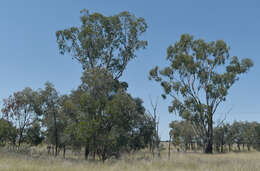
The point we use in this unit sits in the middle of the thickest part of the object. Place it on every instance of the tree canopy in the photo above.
(109, 42)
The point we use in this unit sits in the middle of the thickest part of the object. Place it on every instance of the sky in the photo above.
(29, 53)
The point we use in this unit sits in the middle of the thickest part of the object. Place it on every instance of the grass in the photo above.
(141, 161)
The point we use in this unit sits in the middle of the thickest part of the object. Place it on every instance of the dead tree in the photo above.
(155, 138)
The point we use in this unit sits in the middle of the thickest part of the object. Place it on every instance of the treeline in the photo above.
(103, 119)
(227, 137)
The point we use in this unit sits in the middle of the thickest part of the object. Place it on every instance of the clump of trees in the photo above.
(99, 115)
(227, 137)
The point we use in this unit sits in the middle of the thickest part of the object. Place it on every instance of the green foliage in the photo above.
(257, 138)
(221, 134)
(19, 109)
(53, 116)
(182, 134)
(198, 79)
(100, 115)
(101, 41)
(34, 134)
(8, 132)
(226, 136)
(105, 119)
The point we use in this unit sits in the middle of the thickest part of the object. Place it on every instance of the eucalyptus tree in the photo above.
(49, 111)
(104, 45)
(109, 42)
(198, 79)
(19, 109)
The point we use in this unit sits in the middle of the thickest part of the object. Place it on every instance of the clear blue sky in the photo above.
(29, 53)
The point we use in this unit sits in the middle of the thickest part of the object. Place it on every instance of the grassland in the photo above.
(142, 161)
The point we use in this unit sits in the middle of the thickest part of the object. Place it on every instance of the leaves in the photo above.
(109, 42)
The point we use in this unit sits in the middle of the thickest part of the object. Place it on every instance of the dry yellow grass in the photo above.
(142, 161)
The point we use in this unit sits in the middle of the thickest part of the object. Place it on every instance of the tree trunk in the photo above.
(186, 147)
(238, 146)
(86, 151)
(209, 138)
(153, 147)
(52, 149)
(19, 142)
(55, 133)
(222, 147)
(157, 135)
(169, 149)
(229, 147)
(248, 147)
(20, 137)
(217, 148)
(158, 148)
(64, 151)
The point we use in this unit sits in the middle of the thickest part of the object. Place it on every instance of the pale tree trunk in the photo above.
(153, 147)
(56, 133)
(169, 149)
(229, 147)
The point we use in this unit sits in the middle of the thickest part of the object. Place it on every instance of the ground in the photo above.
(141, 161)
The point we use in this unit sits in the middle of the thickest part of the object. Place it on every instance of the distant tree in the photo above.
(101, 41)
(182, 133)
(198, 79)
(4, 126)
(230, 136)
(19, 109)
(238, 130)
(8, 132)
(220, 137)
(249, 134)
(175, 133)
(257, 137)
(49, 110)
